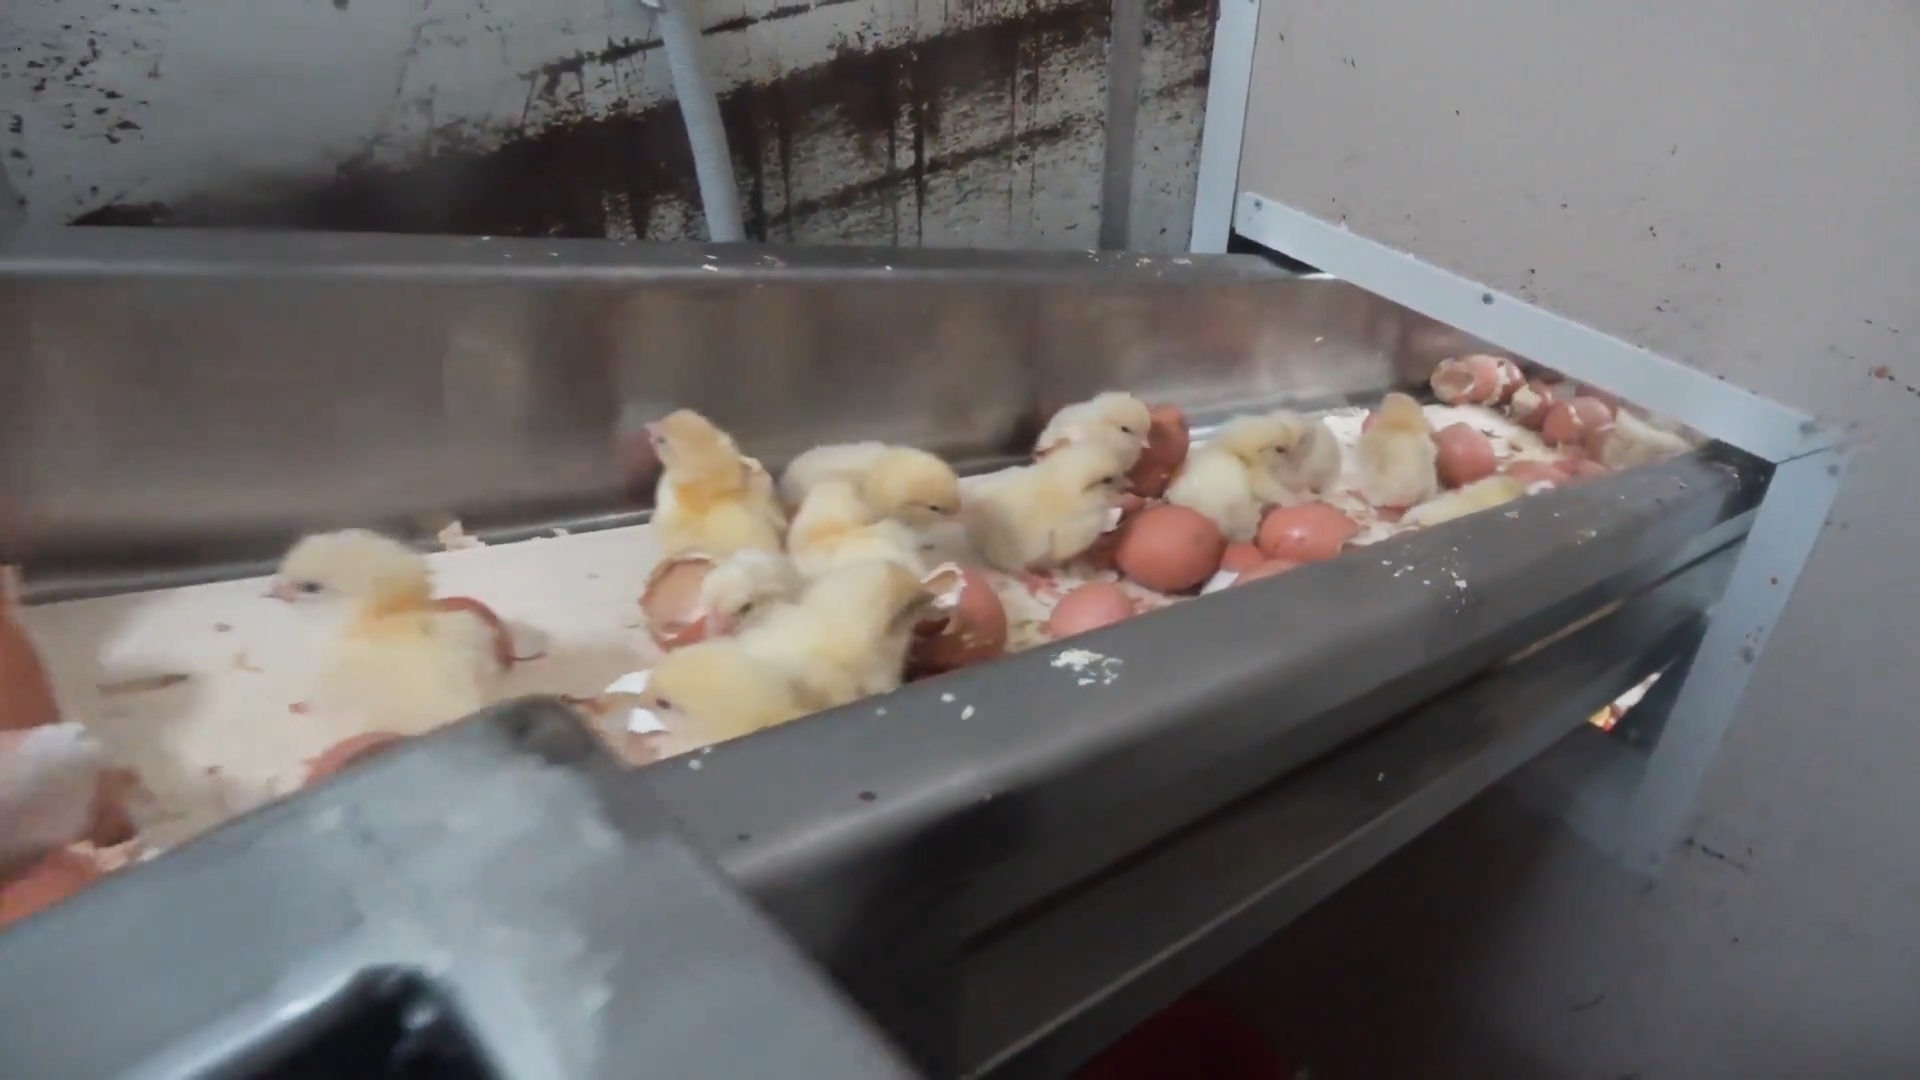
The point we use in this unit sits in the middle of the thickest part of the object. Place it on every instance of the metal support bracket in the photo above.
(1653, 798)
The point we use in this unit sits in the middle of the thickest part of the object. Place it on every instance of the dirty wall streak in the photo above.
(986, 135)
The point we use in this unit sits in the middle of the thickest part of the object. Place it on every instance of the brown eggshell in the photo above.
(1511, 380)
(1241, 557)
(1166, 451)
(974, 630)
(1266, 570)
(1529, 405)
(1594, 393)
(51, 880)
(1593, 412)
(111, 822)
(1535, 472)
(1465, 455)
(1563, 425)
(502, 638)
(1170, 549)
(1305, 533)
(670, 603)
(26, 694)
(1090, 607)
(347, 752)
(1466, 381)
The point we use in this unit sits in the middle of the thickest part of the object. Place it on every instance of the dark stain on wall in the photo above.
(592, 177)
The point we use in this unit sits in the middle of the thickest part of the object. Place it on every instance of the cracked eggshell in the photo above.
(1167, 443)
(973, 630)
(1308, 532)
(671, 603)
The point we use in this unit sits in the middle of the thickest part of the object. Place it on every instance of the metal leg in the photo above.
(1783, 536)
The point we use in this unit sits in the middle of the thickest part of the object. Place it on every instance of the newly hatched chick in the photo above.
(836, 527)
(1634, 442)
(904, 483)
(1041, 515)
(1309, 463)
(408, 664)
(1113, 417)
(710, 498)
(1397, 455)
(1475, 497)
(1237, 474)
(744, 586)
(715, 691)
(848, 634)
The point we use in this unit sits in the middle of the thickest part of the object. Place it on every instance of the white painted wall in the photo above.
(1734, 185)
(158, 101)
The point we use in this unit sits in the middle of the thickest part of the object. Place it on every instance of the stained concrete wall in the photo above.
(977, 123)
(1735, 185)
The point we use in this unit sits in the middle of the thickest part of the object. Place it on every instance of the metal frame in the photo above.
(1654, 799)
(1229, 77)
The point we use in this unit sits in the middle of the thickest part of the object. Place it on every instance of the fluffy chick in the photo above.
(836, 527)
(743, 587)
(847, 636)
(1397, 455)
(406, 662)
(716, 690)
(1475, 497)
(1114, 417)
(904, 483)
(1041, 515)
(710, 498)
(1237, 473)
(1634, 442)
(1309, 461)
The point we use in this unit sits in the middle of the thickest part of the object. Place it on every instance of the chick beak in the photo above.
(283, 590)
(1145, 441)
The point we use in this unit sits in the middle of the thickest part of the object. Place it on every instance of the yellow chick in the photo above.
(1113, 417)
(900, 482)
(1397, 455)
(1634, 442)
(1309, 462)
(744, 586)
(847, 636)
(1042, 515)
(710, 498)
(1234, 477)
(409, 662)
(1480, 495)
(715, 691)
(836, 527)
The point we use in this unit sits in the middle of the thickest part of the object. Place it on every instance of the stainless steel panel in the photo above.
(183, 398)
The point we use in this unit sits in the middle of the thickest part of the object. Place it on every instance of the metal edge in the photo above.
(1791, 517)
(124, 252)
(1307, 837)
(1718, 409)
(1235, 36)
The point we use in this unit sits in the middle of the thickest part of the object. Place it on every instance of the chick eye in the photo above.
(662, 703)
(307, 587)
(1126, 430)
